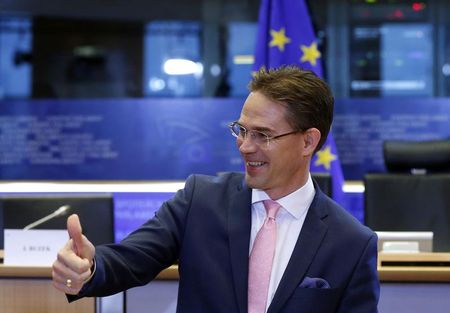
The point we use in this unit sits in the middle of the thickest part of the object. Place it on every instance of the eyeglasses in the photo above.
(258, 137)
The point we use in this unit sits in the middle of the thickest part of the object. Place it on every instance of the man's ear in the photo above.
(311, 138)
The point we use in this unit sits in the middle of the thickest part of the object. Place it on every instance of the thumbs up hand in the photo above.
(72, 268)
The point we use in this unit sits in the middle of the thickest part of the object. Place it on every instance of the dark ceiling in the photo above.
(144, 10)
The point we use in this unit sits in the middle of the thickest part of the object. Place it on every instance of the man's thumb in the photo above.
(75, 232)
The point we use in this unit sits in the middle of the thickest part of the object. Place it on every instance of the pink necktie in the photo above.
(261, 258)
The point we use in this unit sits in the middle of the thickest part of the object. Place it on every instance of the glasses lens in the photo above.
(236, 129)
(240, 131)
(260, 138)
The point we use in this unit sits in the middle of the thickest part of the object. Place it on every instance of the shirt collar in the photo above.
(295, 203)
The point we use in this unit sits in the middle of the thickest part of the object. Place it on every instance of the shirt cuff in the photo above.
(93, 268)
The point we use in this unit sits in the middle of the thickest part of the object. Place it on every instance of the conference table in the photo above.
(414, 282)
(410, 283)
(417, 282)
(29, 289)
(25, 289)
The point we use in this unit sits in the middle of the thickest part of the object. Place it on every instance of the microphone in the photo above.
(59, 212)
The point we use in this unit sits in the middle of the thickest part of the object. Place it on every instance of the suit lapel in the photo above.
(239, 225)
(310, 238)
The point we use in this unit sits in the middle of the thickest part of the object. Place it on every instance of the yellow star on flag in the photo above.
(310, 54)
(279, 39)
(325, 157)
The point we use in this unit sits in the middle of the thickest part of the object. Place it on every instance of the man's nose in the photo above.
(247, 144)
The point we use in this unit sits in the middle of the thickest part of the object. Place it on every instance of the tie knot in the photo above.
(272, 208)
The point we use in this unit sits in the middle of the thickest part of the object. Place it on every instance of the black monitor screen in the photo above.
(95, 212)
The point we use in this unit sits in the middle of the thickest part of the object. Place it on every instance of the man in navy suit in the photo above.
(324, 259)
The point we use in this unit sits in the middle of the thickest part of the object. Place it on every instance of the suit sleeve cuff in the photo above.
(81, 293)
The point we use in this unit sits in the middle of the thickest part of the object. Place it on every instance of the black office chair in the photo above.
(415, 194)
(417, 156)
(324, 180)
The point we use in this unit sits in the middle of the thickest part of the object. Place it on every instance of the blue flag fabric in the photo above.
(286, 36)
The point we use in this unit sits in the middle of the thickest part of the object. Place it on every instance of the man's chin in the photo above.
(252, 181)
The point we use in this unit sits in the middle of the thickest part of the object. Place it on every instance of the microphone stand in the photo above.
(60, 211)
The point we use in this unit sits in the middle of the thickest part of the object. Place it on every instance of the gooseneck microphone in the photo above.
(59, 212)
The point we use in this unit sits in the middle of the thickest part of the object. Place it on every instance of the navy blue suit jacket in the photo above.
(206, 226)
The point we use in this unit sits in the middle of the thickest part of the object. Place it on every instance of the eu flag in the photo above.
(286, 36)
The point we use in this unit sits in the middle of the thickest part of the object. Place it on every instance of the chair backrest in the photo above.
(405, 202)
(431, 156)
(324, 181)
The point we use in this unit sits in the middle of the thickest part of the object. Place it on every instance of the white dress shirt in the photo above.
(289, 219)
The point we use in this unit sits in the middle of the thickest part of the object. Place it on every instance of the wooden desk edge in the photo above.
(170, 273)
(414, 274)
(386, 273)
(422, 256)
(25, 271)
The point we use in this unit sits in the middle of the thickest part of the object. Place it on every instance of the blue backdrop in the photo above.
(126, 139)
(172, 138)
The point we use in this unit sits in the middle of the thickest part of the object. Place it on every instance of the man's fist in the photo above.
(72, 268)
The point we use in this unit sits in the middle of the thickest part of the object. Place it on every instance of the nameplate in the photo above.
(37, 247)
(400, 247)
